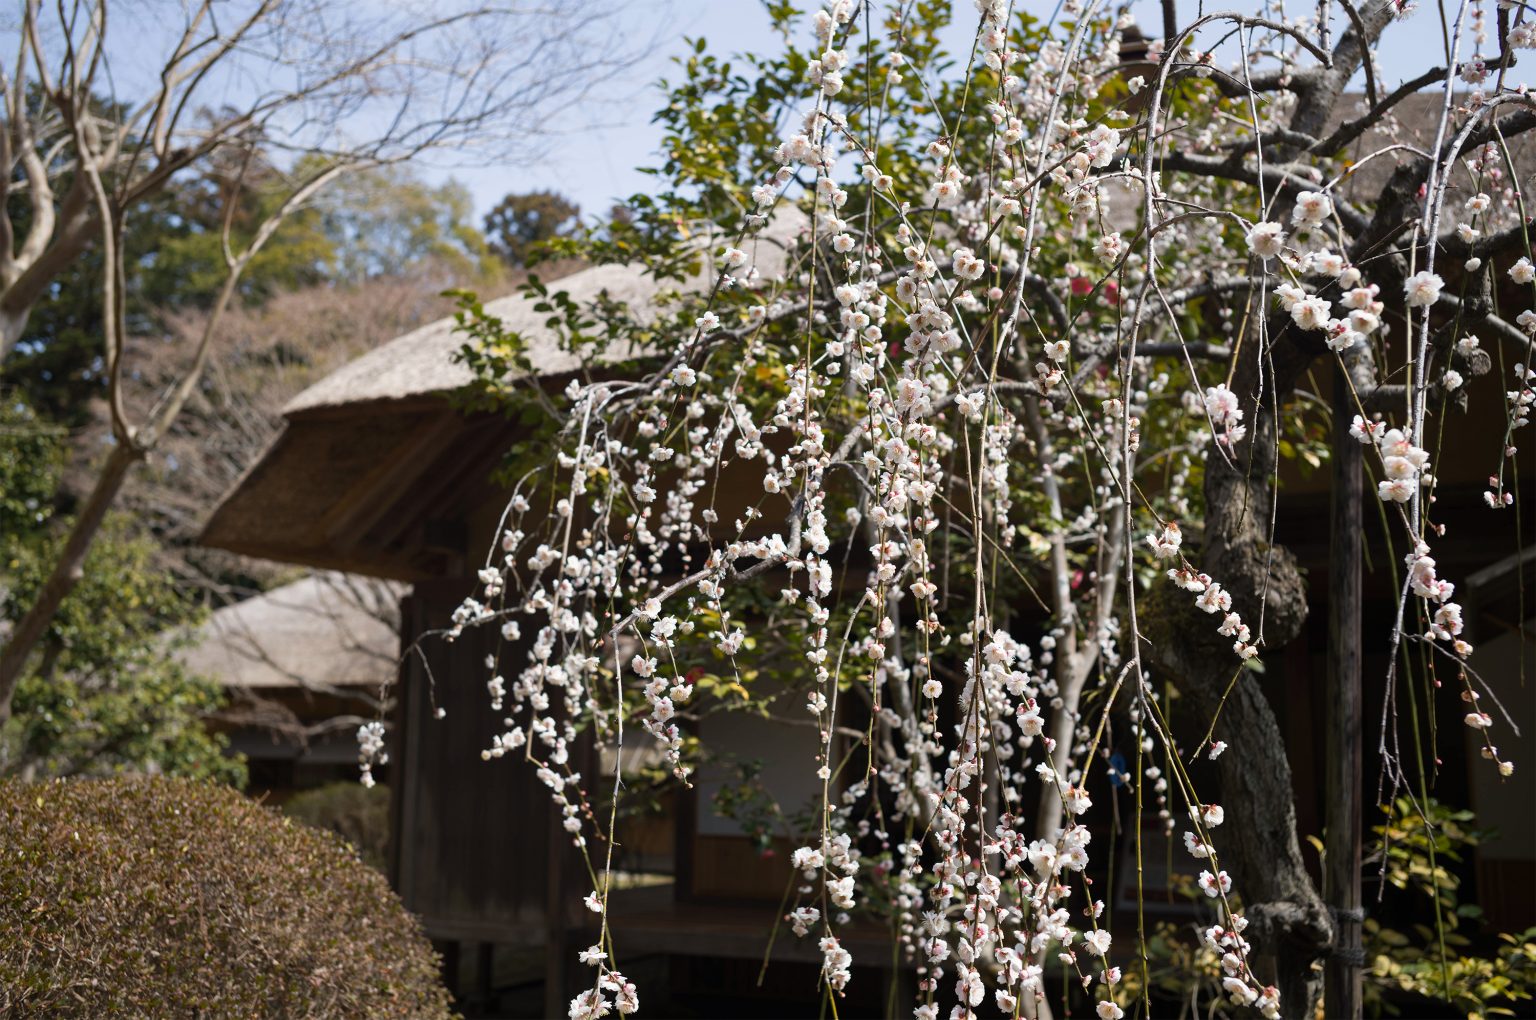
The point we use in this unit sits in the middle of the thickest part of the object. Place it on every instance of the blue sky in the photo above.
(592, 152)
(593, 159)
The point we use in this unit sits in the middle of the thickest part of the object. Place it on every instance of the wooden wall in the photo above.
(476, 849)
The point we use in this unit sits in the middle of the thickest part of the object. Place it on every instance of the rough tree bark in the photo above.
(1289, 924)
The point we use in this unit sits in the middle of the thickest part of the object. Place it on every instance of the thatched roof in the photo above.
(374, 465)
(325, 632)
(1409, 129)
(422, 362)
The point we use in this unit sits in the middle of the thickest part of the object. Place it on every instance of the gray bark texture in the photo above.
(1289, 924)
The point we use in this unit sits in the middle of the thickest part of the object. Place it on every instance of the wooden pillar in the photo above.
(555, 925)
(485, 963)
(1342, 767)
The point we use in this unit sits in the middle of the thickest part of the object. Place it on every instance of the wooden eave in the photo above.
(356, 488)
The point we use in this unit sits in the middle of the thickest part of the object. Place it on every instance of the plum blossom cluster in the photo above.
(370, 743)
(613, 992)
(1404, 465)
(1226, 414)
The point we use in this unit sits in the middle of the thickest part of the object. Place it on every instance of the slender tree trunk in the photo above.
(12, 325)
(132, 443)
(66, 573)
(77, 225)
(1341, 872)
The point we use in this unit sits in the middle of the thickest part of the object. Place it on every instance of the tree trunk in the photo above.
(12, 325)
(1289, 925)
(73, 233)
(66, 573)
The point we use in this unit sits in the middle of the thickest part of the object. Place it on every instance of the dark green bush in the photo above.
(358, 814)
(134, 897)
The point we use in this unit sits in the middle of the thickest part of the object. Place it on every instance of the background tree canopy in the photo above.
(520, 223)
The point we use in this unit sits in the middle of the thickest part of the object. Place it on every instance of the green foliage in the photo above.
(497, 355)
(519, 225)
(103, 694)
(1438, 959)
(31, 455)
(358, 814)
(389, 222)
(162, 897)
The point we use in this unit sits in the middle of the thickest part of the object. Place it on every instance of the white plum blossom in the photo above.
(1165, 544)
(1312, 207)
(1310, 313)
(1215, 885)
(1422, 289)
(1266, 239)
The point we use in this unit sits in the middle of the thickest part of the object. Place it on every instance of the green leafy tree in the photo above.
(104, 695)
(389, 222)
(522, 222)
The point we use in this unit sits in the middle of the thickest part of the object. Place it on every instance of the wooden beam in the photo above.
(368, 562)
(449, 487)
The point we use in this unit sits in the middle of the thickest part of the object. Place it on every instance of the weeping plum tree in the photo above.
(967, 427)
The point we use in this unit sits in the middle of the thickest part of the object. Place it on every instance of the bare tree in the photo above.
(264, 355)
(334, 86)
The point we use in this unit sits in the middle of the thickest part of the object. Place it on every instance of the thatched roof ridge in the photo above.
(422, 362)
(1408, 131)
(372, 454)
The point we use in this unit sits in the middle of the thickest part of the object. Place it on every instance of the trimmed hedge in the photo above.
(171, 898)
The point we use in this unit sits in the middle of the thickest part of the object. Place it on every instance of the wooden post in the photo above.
(1342, 767)
(555, 923)
(485, 965)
